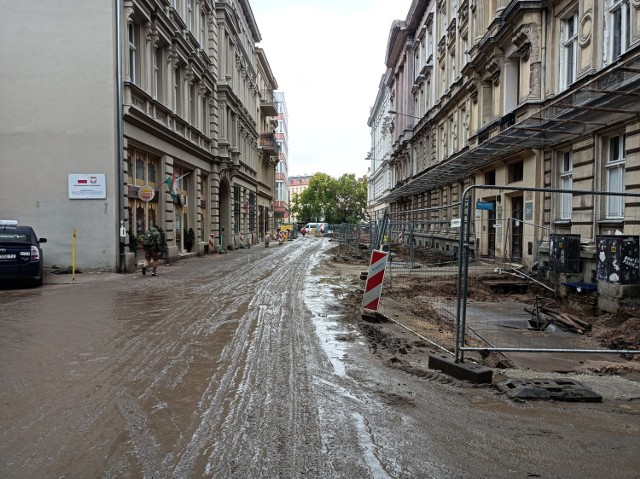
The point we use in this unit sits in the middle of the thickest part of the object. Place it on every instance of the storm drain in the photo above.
(549, 389)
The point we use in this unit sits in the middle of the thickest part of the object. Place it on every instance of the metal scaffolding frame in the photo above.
(602, 101)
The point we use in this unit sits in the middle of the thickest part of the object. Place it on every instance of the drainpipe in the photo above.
(120, 131)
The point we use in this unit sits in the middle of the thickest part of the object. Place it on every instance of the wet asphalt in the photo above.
(245, 365)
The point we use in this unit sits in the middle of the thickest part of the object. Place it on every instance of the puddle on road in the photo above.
(369, 447)
(318, 297)
(334, 349)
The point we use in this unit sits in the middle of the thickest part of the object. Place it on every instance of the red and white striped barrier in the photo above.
(400, 237)
(373, 287)
(211, 238)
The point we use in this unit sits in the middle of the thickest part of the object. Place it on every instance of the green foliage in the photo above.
(334, 201)
(163, 239)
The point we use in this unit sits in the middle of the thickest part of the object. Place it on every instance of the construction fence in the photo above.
(509, 277)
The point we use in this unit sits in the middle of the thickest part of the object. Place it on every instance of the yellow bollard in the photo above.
(73, 256)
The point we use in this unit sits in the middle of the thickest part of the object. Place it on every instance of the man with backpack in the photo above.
(151, 245)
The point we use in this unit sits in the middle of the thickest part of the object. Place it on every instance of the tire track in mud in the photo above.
(273, 409)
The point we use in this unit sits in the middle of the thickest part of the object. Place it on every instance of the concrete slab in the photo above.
(466, 371)
(506, 324)
(548, 389)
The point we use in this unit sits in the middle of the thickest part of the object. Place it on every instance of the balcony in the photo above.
(267, 103)
(268, 144)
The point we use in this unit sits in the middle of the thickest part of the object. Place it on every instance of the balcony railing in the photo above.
(268, 143)
(267, 103)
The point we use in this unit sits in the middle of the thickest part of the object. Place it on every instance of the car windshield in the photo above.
(13, 238)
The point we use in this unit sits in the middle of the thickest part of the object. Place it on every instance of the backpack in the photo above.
(151, 240)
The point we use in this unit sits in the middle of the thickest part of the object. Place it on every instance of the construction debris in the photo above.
(542, 316)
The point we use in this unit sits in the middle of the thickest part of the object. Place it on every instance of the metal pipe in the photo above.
(545, 350)
(120, 127)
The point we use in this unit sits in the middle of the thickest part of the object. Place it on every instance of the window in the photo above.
(490, 178)
(452, 136)
(453, 66)
(464, 125)
(569, 50)
(516, 172)
(139, 171)
(151, 172)
(133, 32)
(615, 176)
(465, 48)
(193, 96)
(177, 91)
(190, 15)
(205, 126)
(252, 211)
(236, 209)
(158, 74)
(203, 25)
(487, 102)
(620, 35)
(566, 171)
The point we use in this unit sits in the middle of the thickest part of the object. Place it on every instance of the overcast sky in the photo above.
(328, 59)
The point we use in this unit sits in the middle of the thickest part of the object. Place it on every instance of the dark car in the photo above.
(20, 253)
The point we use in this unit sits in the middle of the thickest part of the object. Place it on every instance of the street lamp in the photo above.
(393, 112)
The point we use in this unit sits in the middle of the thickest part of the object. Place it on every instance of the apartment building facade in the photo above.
(379, 156)
(518, 99)
(169, 112)
(297, 184)
(281, 204)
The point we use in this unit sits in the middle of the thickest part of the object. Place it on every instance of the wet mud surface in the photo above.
(256, 364)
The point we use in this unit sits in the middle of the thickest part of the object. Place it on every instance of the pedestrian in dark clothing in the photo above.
(151, 244)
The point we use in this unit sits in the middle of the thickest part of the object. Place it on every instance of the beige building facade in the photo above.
(518, 100)
(171, 103)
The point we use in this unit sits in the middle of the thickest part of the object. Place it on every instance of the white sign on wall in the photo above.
(90, 186)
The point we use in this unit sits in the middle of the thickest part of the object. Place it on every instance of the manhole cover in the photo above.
(550, 389)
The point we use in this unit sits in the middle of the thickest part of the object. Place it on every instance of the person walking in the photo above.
(152, 248)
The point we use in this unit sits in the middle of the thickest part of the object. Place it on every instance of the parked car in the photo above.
(312, 228)
(21, 257)
(309, 228)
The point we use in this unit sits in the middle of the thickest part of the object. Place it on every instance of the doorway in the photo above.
(224, 231)
(517, 212)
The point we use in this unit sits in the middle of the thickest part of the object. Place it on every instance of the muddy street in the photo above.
(250, 365)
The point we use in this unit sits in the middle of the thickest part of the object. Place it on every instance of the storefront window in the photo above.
(151, 172)
(139, 171)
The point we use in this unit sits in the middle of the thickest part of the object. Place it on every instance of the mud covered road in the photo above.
(247, 365)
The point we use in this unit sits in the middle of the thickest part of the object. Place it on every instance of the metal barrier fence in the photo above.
(353, 239)
(564, 267)
(512, 278)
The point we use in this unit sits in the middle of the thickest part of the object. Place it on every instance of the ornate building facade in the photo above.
(185, 138)
(517, 99)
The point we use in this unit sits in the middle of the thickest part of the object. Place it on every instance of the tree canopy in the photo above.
(331, 200)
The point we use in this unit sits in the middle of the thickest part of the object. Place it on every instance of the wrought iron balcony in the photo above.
(267, 143)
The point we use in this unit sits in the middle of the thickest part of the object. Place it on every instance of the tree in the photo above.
(350, 200)
(331, 200)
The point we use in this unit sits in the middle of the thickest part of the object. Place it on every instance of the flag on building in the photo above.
(172, 185)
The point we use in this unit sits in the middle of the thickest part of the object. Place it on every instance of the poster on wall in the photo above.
(87, 186)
